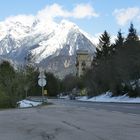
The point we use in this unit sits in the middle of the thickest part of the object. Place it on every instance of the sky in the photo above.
(93, 16)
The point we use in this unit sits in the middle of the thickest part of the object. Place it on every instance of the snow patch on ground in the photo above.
(27, 103)
(64, 97)
(107, 98)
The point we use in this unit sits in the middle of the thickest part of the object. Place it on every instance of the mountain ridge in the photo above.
(42, 41)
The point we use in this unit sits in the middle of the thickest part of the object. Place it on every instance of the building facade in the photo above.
(83, 61)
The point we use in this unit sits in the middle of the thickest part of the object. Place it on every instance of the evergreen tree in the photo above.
(53, 84)
(104, 44)
(7, 82)
(132, 35)
(98, 53)
(31, 79)
(119, 42)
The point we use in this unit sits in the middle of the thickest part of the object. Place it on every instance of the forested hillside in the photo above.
(116, 67)
(17, 84)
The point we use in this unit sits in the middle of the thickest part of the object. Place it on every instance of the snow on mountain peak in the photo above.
(17, 26)
(56, 42)
(41, 39)
(61, 36)
(20, 19)
(67, 24)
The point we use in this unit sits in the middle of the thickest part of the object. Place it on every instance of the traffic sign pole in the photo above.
(42, 94)
(42, 82)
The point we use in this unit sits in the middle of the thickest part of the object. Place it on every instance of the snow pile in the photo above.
(108, 98)
(64, 97)
(27, 103)
(83, 98)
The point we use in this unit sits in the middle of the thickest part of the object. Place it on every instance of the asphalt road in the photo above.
(70, 120)
(120, 107)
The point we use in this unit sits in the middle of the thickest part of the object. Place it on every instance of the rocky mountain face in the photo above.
(45, 43)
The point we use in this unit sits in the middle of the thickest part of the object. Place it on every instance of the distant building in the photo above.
(83, 61)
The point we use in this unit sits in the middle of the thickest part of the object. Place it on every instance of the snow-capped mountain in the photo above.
(43, 42)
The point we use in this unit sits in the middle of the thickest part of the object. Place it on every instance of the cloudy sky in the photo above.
(93, 16)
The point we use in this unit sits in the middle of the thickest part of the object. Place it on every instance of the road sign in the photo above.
(42, 82)
(45, 92)
(42, 75)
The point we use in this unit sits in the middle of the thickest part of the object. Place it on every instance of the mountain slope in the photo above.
(45, 43)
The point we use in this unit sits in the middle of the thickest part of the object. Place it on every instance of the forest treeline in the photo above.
(17, 84)
(116, 67)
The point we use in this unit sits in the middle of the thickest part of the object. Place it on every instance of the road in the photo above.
(71, 120)
(120, 107)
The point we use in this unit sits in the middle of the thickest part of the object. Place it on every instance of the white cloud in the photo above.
(83, 11)
(52, 11)
(79, 11)
(125, 15)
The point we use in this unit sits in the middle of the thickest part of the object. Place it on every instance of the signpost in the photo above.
(42, 81)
